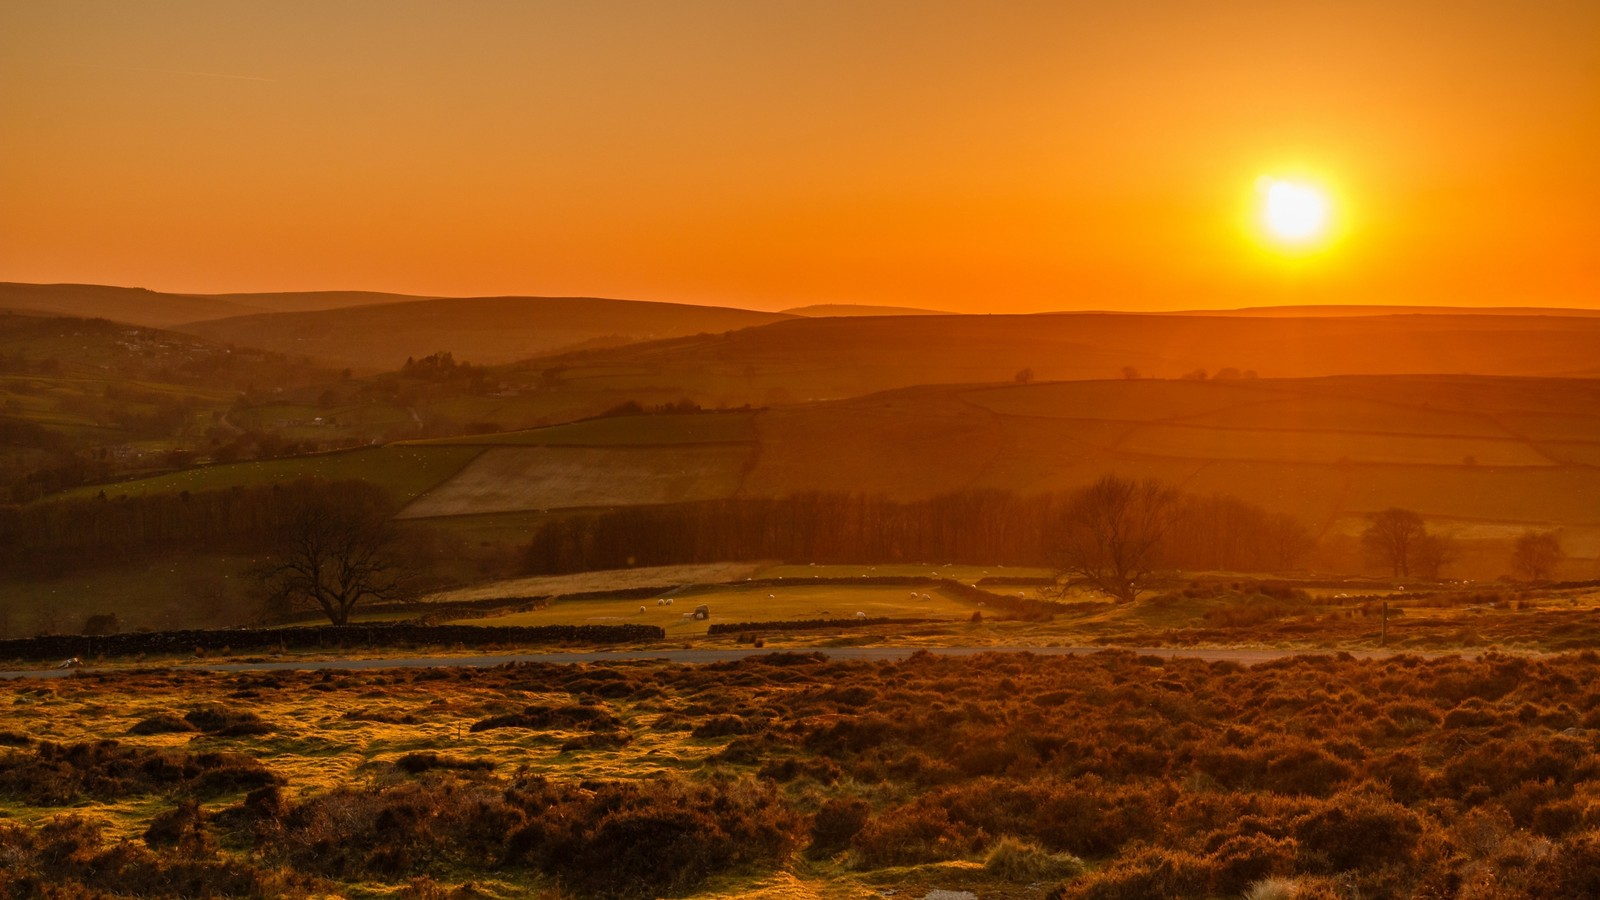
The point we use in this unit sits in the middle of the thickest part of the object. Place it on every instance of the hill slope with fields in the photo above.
(1490, 456)
(482, 330)
(834, 358)
(1485, 456)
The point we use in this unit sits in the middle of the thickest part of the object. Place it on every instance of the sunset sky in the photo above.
(966, 156)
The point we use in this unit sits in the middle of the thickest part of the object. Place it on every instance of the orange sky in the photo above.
(1051, 155)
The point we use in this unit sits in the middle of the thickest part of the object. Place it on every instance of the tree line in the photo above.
(44, 537)
(985, 527)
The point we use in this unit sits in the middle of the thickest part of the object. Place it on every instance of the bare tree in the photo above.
(1392, 539)
(1536, 555)
(1112, 534)
(1432, 553)
(336, 553)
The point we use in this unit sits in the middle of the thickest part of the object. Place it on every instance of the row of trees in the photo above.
(1399, 540)
(67, 534)
(985, 527)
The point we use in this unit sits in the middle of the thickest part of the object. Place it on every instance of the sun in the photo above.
(1294, 212)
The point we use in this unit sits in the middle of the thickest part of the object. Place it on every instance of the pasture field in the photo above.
(509, 478)
(733, 603)
(1327, 446)
(714, 428)
(791, 776)
(189, 591)
(1210, 609)
(404, 471)
(614, 580)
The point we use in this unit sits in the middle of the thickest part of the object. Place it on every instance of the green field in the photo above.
(510, 478)
(735, 603)
(404, 471)
(623, 430)
(188, 591)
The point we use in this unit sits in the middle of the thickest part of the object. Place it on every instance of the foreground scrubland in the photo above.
(792, 776)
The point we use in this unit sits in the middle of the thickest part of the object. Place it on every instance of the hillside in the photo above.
(1491, 455)
(483, 330)
(1485, 457)
(851, 309)
(1351, 310)
(134, 306)
(138, 306)
(86, 399)
(833, 358)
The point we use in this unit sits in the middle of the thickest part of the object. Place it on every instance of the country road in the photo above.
(1245, 657)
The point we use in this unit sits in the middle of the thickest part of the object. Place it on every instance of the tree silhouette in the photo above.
(336, 553)
(1432, 553)
(1393, 538)
(1536, 555)
(1112, 534)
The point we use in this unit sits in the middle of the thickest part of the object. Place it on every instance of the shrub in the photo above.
(57, 775)
(1357, 831)
(224, 722)
(592, 718)
(836, 823)
(162, 723)
(1146, 874)
(637, 841)
(426, 760)
(184, 824)
(911, 835)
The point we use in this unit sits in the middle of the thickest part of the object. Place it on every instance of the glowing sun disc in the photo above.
(1294, 212)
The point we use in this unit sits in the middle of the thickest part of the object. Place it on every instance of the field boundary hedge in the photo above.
(809, 624)
(64, 646)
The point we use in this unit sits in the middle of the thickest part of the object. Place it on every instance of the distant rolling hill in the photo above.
(1355, 309)
(482, 330)
(134, 306)
(850, 309)
(155, 309)
(831, 358)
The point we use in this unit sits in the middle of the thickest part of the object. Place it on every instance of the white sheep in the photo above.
(924, 597)
(641, 609)
(772, 596)
(861, 615)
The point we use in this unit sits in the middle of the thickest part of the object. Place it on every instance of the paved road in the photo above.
(1246, 657)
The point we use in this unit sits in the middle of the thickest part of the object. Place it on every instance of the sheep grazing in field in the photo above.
(861, 615)
(913, 595)
(924, 597)
(669, 601)
(641, 609)
(772, 596)
(70, 663)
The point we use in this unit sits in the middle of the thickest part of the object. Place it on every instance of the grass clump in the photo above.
(163, 723)
(427, 760)
(1023, 861)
